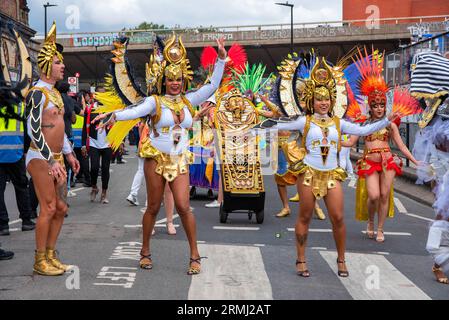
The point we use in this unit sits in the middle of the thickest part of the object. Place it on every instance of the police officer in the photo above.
(12, 165)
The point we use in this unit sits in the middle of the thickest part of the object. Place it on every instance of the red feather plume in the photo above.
(404, 103)
(354, 112)
(238, 57)
(370, 68)
(208, 57)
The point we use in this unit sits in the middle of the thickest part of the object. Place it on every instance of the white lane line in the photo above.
(382, 253)
(237, 228)
(373, 277)
(223, 276)
(259, 245)
(419, 217)
(312, 230)
(201, 242)
(399, 205)
(132, 226)
(15, 221)
(76, 190)
(393, 233)
(165, 219)
(14, 230)
(319, 248)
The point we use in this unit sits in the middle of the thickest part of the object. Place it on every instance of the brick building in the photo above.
(15, 12)
(360, 9)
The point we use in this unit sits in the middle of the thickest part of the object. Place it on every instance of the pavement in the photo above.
(246, 260)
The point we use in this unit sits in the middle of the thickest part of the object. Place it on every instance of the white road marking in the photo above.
(418, 217)
(132, 226)
(14, 230)
(231, 273)
(237, 228)
(165, 219)
(399, 205)
(373, 277)
(383, 253)
(201, 242)
(319, 248)
(15, 221)
(313, 230)
(259, 245)
(78, 189)
(393, 233)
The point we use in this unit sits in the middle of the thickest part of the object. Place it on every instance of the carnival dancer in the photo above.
(378, 166)
(288, 154)
(319, 174)
(430, 83)
(45, 158)
(171, 115)
(169, 204)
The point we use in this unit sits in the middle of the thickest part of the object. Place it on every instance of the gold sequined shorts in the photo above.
(320, 181)
(34, 153)
(168, 166)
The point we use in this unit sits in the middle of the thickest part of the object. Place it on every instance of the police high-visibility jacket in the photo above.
(11, 139)
(77, 130)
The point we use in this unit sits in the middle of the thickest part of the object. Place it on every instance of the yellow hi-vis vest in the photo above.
(11, 139)
(77, 130)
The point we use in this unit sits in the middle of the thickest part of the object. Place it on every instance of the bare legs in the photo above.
(334, 204)
(379, 187)
(52, 209)
(155, 190)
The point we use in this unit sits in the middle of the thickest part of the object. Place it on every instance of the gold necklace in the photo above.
(55, 97)
(323, 122)
(174, 103)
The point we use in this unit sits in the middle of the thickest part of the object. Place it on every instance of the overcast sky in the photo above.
(113, 15)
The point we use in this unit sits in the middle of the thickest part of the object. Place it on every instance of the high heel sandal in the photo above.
(193, 270)
(342, 274)
(370, 231)
(443, 279)
(146, 265)
(380, 236)
(304, 273)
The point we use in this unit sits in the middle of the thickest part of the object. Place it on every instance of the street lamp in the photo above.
(286, 4)
(45, 7)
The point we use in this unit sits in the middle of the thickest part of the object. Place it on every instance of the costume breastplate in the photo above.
(381, 135)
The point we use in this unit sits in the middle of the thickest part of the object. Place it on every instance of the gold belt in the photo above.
(320, 181)
(378, 150)
(57, 156)
(168, 166)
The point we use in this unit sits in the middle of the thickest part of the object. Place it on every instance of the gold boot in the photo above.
(53, 259)
(43, 267)
(283, 213)
(295, 198)
(319, 213)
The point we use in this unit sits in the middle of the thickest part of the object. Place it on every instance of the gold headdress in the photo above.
(173, 64)
(48, 51)
(321, 85)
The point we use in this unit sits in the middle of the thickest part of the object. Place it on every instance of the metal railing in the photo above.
(277, 26)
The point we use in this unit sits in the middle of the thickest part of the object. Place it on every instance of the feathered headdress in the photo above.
(251, 79)
(235, 62)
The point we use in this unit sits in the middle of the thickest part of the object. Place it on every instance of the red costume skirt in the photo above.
(366, 167)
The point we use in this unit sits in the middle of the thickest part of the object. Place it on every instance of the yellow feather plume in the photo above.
(119, 131)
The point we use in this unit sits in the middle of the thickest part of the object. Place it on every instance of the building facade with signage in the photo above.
(15, 12)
